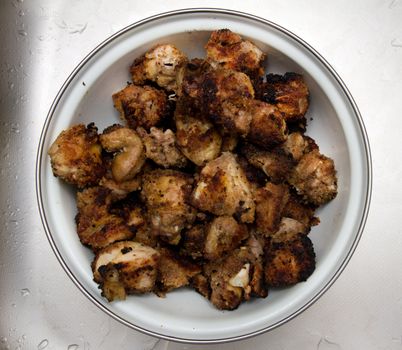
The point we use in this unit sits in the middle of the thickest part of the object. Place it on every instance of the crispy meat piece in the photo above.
(223, 189)
(96, 226)
(297, 209)
(255, 176)
(290, 261)
(223, 235)
(193, 242)
(297, 144)
(197, 138)
(314, 178)
(269, 203)
(160, 146)
(228, 50)
(129, 151)
(255, 246)
(125, 268)
(76, 156)
(275, 163)
(289, 93)
(141, 105)
(165, 193)
(229, 142)
(201, 284)
(161, 65)
(174, 271)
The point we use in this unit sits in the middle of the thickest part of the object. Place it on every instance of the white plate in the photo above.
(336, 125)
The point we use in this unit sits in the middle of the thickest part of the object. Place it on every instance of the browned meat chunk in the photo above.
(289, 93)
(76, 156)
(96, 226)
(125, 268)
(314, 178)
(295, 208)
(289, 262)
(161, 65)
(201, 284)
(160, 146)
(141, 105)
(297, 144)
(269, 203)
(223, 189)
(228, 50)
(194, 242)
(165, 193)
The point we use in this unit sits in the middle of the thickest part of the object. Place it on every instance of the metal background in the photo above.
(41, 43)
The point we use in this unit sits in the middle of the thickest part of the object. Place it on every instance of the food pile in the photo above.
(209, 182)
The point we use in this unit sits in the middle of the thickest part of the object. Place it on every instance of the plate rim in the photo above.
(219, 11)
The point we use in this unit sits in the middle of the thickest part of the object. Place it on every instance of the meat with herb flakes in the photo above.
(76, 156)
(234, 221)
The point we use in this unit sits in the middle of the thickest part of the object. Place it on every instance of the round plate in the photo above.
(333, 121)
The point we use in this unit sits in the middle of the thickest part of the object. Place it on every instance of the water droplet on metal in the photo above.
(73, 347)
(43, 344)
(22, 32)
(25, 292)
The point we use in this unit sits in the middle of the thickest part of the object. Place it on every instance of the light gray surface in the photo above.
(42, 41)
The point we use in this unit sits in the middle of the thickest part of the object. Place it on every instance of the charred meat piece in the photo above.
(76, 156)
(297, 209)
(161, 65)
(297, 144)
(174, 271)
(314, 178)
(223, 189)
(201, 284)
(197, 138)
(288, 262)
(269, 203)
(223, 235)
(275, 163)
(165, 193)
(96, 226)
(142, 106)
(129, 154)
(160, 146)
(125, 268)
(228, 50)
(289, 93)
(193, 241)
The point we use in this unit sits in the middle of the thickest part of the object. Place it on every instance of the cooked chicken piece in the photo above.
(125, 268)
(161, 65)
(289, 93)
(130, 209)
(160, 146)
(255, 246)
(297, 209)
(130, 155)
(255, 176)
(288, 229)
(223, 189)
(174, 271)
(289, 262)
(314, 178)
(121, 189)
(141, 105)
(201, 284)
(145, 235)
(209, 87)
(269, 203)
(96, 226)
(165, 193)
(228, 50)
(197, 138)
(298, 144)
(76, 156)
(194, 241)
(223, 235)
(229, 142)
(275, 163)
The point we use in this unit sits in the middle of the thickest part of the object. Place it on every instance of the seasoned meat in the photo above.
(255, 247)
(297, 209)
(229, 142)
(125, 268)
(297, 144)
(76, 156)
(96, 226)
(314, 178)
(160, 146)
(142, 106)
(129, 151)
(197, 138)
(174, 271)
(289, 262)
(165, 193)
(275, 163)
(201, 284)
(161, 65)
(193, 241)
(288, 229)
(269, 203)
(223, 189)
(146, 235)
(228, 50)
(289, 93)
(223, 235)
(255, 176)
